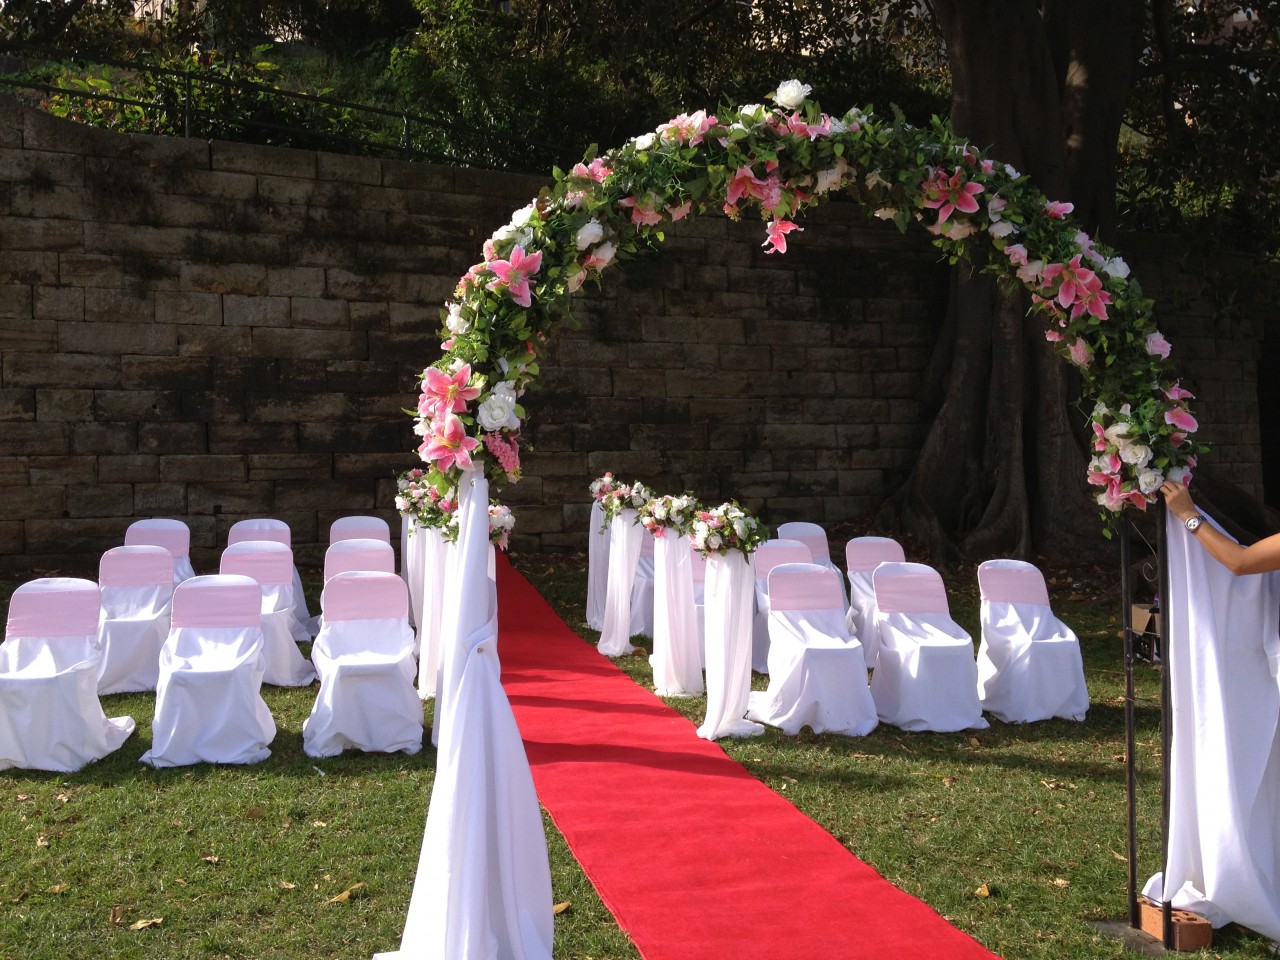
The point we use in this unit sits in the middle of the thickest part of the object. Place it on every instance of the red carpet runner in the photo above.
(696, 858)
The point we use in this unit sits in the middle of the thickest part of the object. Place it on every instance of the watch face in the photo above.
(1194, 522)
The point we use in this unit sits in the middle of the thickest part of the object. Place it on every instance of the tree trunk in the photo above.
(1001, 471)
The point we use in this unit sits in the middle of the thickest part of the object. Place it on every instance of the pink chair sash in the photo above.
(804, 586)
(173, 535)
(812, 535)
(773, 552)
(365, 595)
(909, 588)
(867, 553)
(55, 607)
(347, 555)
(137, 565)
(220, 600)
(259, 529)
(265, 561)
(1012, 581)
(359, 528)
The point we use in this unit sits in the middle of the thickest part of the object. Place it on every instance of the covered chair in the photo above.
(209, 706)
(173, 535)
(813, 536)
(347, 556)
(925, 677)
(817, 675)
(303, 626)
(137, 591)
(862, 555)
(1029, 665)
(50, 716)
(597, 566)
(271, 565)
(364, 655)
(767, 556)
(359, 528)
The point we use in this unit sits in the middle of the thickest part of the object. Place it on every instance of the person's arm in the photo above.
(1258, 558)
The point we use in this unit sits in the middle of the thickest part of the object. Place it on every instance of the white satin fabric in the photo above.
(643, 587)
(1029, 665)
(767, 556)
(597, 566)
(729, 589)
(625, 543)
(677, 656)
(302, 625)
(137, 592)
(364, 655)
(483, 886)
(817, 675)
(434, 562)
(925, 676)
(209, 706)
(1223, 657)
(862, 555)
(173, 535)
(411, 565)
(271, 565)
(50, 715)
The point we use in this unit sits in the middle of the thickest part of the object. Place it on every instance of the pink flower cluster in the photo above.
(506, 450)
(949, 193)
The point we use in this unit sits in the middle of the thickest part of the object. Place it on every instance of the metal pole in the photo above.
(1166, 723)
(1130, 723)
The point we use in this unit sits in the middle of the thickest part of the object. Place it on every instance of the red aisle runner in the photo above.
(696, 858)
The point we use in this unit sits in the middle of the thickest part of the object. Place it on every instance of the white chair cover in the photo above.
(304, 626)
(862, 555)
(677, 657)
(483, 885)
(137, 591)
(1029, 665)
(359, 528)
(767, 556)
(925, 677)
(411, 565)
(1223, 657)
(817, 676)
(173, 535)
(626, 539)
(271, 565)
(364, 655)
(50, 716)
(729, 589)
(642, 588)
(597, 566)
(435, 562)
(209, 706)
(348, 556)
(813, 536)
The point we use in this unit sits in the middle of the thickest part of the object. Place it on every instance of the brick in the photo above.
(136, 405)
(78, 369)
(102, 438)
(159, 499)
(59, 303)
(172, 438)
(17, 404)
(64, 405)
(107, 337)
(206, 468)
(319, 313)
(178, 307)
(246, 279)
(100, 500)
(254, 498)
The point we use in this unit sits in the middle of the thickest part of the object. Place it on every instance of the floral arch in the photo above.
(781, 160)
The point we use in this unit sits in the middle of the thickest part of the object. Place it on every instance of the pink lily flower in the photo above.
(743, 184)
(448, 445)
(1017, 254)
(642, 212)
(596, 170)
(1093, 301)
(1075, 280)
(1158, 346)
(679, 213)
(948, 194)
(514, 274)
(1100, 439)
(1053, 336)
(1181, 418)
(446, 393)
(1178, 392)
(1057, 209)
(776, 242)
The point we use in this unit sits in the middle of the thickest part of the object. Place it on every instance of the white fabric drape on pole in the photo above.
(625, 541)
(411, 547)
(597, 566)
(433, 563)
(483, 886)
(677, 659)
(1223, 657)
(729, 590)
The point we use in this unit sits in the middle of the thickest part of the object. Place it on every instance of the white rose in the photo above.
(790, 94)
(521, 216)
(1180, 474)
(644, 141)
(576, 280)
(740, 528)
(589, 233)
(714, 541)
(1149, 481)
(1001, 229)
(1116, 267)
(499, 409)
(456, 322)
(1137, 454)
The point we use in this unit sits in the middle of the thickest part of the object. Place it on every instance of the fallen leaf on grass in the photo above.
(561, 907)
(116, 917)
(209, 858)
(1060, 883)
(346, 894)
(255, 813)
(143, 924)
(58, 888)
(319, 823)
(983, 891)
(286, 885)
(42, 841)
(948, 781)
(1120, 856)
(975, 742)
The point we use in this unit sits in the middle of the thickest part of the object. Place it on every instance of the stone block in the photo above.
(348, 495)
(77, 369)
(355, 438)
(28, 267)
(56, 203)
(261, 161)
(214, 341)
(254, 498)
(115, 338)
(255, 311)
(11, 537)
(203, 468)
(78, 538)
(165, 373)
(159, 499)
(253, 438)
(37, 233)
(17, 404)
(28, 502)
(348, 169)
(181, 438)
(66, 405)
(58, 303)
(319, 313)
(310, 344)
(179, 307)
(305, 467)
(91, 270)
(314, 408)
(119, 306)
(100, 500)
(134, 468)
(15, 302)
(101, 438)
(139, 405)
(289, 281)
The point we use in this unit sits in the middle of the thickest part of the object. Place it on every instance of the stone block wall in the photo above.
(217, 331)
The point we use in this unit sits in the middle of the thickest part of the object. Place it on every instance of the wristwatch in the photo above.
(1193, 523)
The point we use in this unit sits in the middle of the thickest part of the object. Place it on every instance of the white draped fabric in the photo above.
(677, 657)
(1223, 657)
(209, 706)
(625, 542)
(271, 565)
(435, 562)
(642, 588)
(137, 591)
(767, 556)
(483, 886)
(411, 548)
(926, 677)
(364, 655)
(1029, 665)
(862, 555)
(302, 625)
(817, 676)
(597, 566)
(50, 716)
(729, 588)
(173, 535)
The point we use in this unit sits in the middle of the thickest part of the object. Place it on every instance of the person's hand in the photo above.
(1178, 497)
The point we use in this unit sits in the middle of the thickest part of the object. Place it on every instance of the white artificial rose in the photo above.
(740, 528)
(603, 255)
(499, 409)
(791, 94)
(456, 322)
(644, 141)
(1149, 481)
(521, 216)
(1180, 474)
(576, 280)
(714, 541)
(1002, 229)
(1136, 454)
(1116, 267)
(589, 233)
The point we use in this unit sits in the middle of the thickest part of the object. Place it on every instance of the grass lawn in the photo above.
(296, 857)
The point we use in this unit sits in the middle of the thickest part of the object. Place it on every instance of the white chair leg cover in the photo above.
(677, 657)
(433, 563)
(862, 615)
(624, 554)
(729, 588)
(302, 625)
(483, 886)
(284, 665)
(597, 566)
(131, 633)
(411, 547)
(760, 628)
(1029, 674)
(925, 676)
